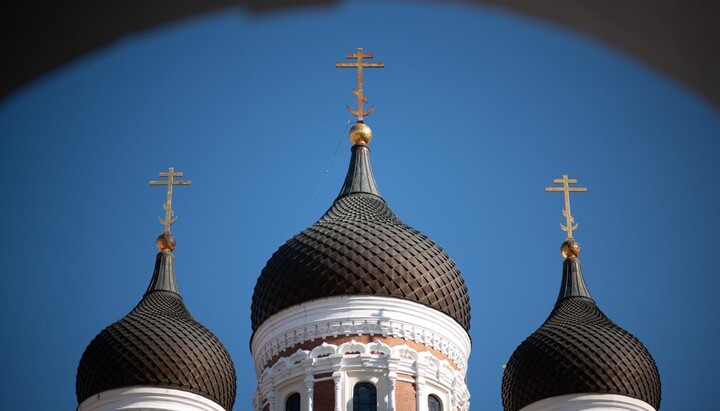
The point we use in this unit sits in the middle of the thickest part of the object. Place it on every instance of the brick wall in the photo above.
(404, 396)
(324, 396)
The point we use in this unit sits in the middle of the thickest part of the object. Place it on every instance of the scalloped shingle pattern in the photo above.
(360, 247)
(579, 350)
(158, 344)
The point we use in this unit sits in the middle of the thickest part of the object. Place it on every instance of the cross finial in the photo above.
(170, 182)
(359, 64)
(570, 225)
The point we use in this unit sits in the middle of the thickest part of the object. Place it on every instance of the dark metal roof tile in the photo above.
(579, 350)
(158, 343)
(403, 264)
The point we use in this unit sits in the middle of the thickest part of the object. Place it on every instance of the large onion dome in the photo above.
(579, 350)
(158, 344)
(360, 247)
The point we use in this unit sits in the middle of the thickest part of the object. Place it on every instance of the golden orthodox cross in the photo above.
(170, 182)
(566, 189)
(359, 56)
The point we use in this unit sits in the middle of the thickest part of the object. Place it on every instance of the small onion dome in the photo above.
(579, 350)
(158, 344)
(360, 247)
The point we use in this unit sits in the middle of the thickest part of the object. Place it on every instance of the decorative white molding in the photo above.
(148, 399)
(285, 389)
(376, 362)
(310, 387)
(337, 378)
(351, 315)
(589, 402)
(391, 380)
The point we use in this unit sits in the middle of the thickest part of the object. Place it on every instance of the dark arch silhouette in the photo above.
(292, 403)
(679, 38)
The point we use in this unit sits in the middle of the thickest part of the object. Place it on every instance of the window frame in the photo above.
(299, 401)
(437, 400)
(373, 407)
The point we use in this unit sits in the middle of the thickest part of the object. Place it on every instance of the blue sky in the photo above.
(476, 112)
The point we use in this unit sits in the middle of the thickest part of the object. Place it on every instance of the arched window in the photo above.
(364, 397)
(434, 403)
(293, 403)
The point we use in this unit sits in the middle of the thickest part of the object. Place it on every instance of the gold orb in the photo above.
(166, 242)
(570, 248)
(360, 133)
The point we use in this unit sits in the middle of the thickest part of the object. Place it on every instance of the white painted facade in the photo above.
(589, 402)
(360, 315)
(354, 362)
(148, 399)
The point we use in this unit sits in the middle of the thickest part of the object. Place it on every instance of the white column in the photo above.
(421, 395)
(420, 389)
(271, 399)
(310, 384)
(392, 378)
(337, 378)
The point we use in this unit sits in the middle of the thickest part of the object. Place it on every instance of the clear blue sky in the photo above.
(476, 112)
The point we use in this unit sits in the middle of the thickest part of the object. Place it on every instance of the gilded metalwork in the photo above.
(570, 225)
(359, 64)
(570, 248)
(166, 242)
(360, 133)
(170, 182)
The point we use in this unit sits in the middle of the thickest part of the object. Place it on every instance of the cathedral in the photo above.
(360, 312)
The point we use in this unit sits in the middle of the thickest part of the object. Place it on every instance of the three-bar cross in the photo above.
(170, 182)
(566, 189)
(359, 56)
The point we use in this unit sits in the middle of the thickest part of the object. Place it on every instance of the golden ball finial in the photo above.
(570, 248)
(360, 133)
(166, 242)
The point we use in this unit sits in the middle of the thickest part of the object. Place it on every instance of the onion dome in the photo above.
(360, 247)
(158, 344)
(579, 350)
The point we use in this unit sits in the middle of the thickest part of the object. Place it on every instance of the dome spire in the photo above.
(163, 278)
(359, 178)
(573, 283)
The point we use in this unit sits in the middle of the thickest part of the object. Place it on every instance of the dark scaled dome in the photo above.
(579, 350)
(158, 344)
(360, 247)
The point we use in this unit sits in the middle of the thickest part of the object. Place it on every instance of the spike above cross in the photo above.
(359, 64)
(569, 226)
(170, 182)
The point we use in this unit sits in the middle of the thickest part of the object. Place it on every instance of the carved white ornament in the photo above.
(354, 361)
(360, 315)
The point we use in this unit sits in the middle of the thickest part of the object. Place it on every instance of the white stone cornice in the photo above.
(351, 315)
(148, 398)
(352, 360)
(589, 402)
